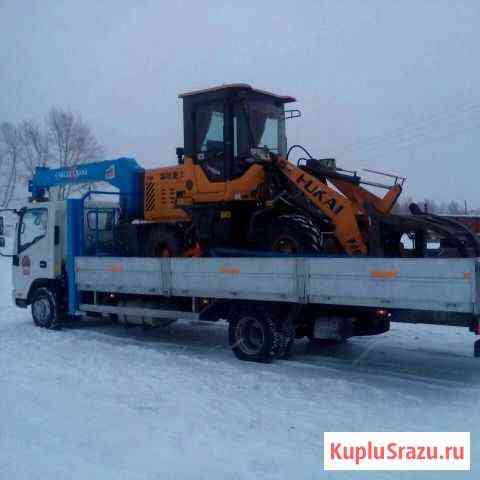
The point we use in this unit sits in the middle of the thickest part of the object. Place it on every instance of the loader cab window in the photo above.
(33, 227)
(268, 125)
(209, 140)
(256, 123)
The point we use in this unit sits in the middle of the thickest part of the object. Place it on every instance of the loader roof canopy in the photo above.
(238, 87)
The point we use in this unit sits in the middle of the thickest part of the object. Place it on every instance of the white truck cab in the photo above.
(37, 254)
(39, 243)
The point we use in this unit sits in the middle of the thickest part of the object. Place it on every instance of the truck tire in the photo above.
(44, 307)
(254, 335)
(164, 241)
(293, 234)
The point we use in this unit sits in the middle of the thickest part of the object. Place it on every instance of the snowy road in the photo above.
(102, 402)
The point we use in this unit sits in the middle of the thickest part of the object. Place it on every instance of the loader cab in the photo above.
(222, 124)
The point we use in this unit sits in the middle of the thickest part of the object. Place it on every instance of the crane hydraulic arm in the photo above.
(122, 173)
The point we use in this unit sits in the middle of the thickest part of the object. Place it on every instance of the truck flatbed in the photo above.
(436, 285)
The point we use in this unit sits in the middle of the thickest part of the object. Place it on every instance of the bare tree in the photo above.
(430, 206)
(10, 151)
(454, 208)
(72, 143)
(35, 145)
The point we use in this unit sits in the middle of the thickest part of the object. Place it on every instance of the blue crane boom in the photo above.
(122, 173)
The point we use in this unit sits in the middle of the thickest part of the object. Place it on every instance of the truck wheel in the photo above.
(293, 234)
(44, 308)
(164, 241)
(254, 335)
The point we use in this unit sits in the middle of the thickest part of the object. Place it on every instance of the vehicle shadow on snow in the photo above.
(388, 357)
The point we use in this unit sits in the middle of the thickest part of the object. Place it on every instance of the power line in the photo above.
(419, 127)
(425, 120)
(429, 135)
(430, 140)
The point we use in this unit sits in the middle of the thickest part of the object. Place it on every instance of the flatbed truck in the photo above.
(62, 270)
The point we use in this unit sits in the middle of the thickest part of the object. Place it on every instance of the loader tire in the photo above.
(164, 241)
(293, 234)
(254, 335)
(45, 308)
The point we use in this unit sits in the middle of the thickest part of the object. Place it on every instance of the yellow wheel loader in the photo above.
(234, 186)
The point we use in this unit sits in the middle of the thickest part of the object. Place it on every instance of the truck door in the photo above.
(8, 220)
(34, 249)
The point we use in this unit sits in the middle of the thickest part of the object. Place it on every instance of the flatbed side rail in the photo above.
(448, 285)
(444, 285)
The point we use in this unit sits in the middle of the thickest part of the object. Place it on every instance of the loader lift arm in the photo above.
(342, 205)
(338, 208)
(349, 202)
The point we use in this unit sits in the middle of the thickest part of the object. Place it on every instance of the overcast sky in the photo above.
(390, 85)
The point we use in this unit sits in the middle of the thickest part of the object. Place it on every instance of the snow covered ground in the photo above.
(103, 402)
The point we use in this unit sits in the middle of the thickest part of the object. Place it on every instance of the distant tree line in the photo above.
(62, 139)
(452, 207)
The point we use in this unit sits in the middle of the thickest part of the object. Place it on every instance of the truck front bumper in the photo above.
(19, 302)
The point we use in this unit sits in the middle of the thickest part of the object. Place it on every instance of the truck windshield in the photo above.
(33, 227)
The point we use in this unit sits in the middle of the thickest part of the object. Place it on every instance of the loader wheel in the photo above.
(44, 308)
(254, 335)
(293, 234)
(164, 241)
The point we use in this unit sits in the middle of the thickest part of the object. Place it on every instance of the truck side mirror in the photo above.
(3, 245)
(294, 113)
(7, 220)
